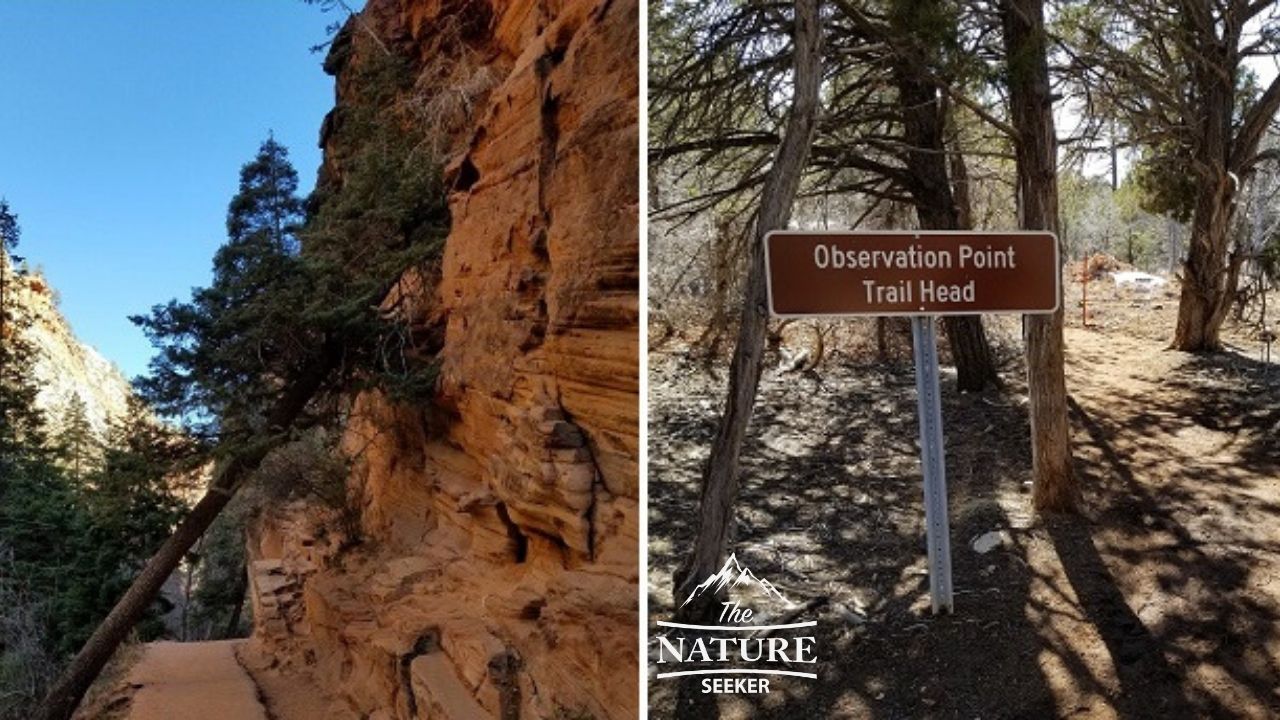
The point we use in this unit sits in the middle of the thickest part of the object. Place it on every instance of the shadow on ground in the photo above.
(1159, 601)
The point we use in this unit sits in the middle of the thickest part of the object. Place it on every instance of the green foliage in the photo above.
(293, 309)
(74, 544)
(78, 448)
(77, 544)
(26, 664)
(934, 26)
(134, 499)
(10, 231)
(78, 514)
(1096, 220)
(382, 213)
(285, 291)
(1159, 76)
(1269, 258)
(222, 355)
(41, 522)
(299, 287)
(308, 468)
(34, 505)
(1168, 186)
(22, 425)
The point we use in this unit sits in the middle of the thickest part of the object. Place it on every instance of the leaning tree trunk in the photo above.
(1054, 483)
(70, 687)
(66, 693)
(924, 117)
(720, 478)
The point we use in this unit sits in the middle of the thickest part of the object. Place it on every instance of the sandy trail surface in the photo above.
(196, 681)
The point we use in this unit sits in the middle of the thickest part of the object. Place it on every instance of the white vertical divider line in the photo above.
(642, 469)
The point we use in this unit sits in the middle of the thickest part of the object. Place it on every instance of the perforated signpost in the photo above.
(920, 275)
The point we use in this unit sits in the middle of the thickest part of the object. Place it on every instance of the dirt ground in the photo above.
(1162, 600)
(193, 680)
(221, 680)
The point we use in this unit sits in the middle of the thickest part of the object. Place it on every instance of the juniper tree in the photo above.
(1026, 44)
(893, 69)
(716, 522)
(1176, 77)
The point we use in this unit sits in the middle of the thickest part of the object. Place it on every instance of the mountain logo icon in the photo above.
(733, 574)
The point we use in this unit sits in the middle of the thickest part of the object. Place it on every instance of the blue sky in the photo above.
(123, 126)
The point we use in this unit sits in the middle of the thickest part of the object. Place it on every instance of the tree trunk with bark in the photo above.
(1224, 140)
(1209, 277)
(720, 477)
(1205, 292)
(722, 263)
(70, 687)
(924, 118)
(1031, 106)
(242, 587)
(960, 187)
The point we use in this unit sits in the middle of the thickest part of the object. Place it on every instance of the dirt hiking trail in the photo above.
(201, 681)
(220, 680)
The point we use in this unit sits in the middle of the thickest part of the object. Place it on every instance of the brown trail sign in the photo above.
(920, 274)
(911, 273)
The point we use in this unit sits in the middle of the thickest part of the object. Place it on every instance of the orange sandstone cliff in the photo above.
(496, 573)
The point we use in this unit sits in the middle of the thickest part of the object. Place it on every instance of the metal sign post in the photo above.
(924, 337)
(921, 275)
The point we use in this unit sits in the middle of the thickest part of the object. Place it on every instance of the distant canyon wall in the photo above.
(63, 366)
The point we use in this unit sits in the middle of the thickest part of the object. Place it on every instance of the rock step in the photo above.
(440, 692)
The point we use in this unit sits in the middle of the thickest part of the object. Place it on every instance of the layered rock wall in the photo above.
(497, 572)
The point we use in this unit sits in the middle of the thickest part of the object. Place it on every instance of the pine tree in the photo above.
(76, 519)
(1177, 79)
(78, 446)
(222, 575)
(10, 234)
(132, 502)
(36, 509)
(222, 354)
